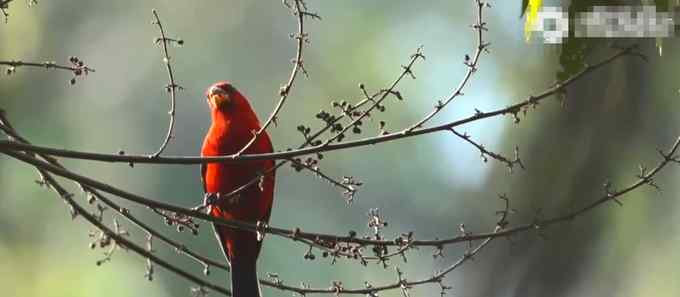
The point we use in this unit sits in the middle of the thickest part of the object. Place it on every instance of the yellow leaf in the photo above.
(532, 17)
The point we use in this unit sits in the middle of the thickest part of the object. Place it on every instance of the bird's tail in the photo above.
(244, 281)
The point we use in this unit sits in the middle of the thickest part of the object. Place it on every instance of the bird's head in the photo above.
(222, 96)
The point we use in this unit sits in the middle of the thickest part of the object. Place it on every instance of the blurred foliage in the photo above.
(610, 122)
(574, 51)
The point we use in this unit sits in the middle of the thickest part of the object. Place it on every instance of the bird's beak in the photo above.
(218, 97)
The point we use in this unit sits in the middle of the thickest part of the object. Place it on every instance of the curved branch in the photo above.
(401, 283)
(512, 109)
(76, 209)
(172, 87)
(79, 210)
(7, 128)
(300, 12)
(645, 178)
(480, 27)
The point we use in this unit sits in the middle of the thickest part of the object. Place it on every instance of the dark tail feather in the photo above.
(244, 281)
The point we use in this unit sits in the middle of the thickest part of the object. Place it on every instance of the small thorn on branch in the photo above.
(611, 194)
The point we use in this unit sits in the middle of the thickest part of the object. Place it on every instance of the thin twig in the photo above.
(407, 71)
(4, 4)
(485, 152)
(46, 65)
(480, 27)
(77, 67)
(301, 38)
(172, 87)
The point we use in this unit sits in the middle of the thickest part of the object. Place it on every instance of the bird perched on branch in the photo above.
(233, 125)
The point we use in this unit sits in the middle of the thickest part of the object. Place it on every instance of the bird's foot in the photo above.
(209, 199)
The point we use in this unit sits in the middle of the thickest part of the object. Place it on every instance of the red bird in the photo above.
(233, 124)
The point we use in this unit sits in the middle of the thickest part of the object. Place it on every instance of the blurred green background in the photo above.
(613, 120)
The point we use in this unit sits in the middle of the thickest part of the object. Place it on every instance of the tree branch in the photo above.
(300, 11)
(77, 67)
(172, 87)
(512, 109)
(480, 27)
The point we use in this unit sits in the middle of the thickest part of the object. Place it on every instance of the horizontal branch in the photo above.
(279, 285)
(77, 67)
(512, 109)
(45, 167)
(400, 284)
(299, 235)
(645, 178)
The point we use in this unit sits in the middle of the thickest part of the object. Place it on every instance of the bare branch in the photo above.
(115, 235)
(471, 64)
(77, 67)
(93, 194)
(121, 240)
(300, 12)
(297, 234)
(4, 5)
(512, 110)
(484, 152)
(172, 87)
(344, 118)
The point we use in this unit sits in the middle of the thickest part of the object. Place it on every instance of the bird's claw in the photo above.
(199, 208)
(209, 199)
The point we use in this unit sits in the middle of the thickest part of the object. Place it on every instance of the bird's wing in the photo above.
(204, 167)
(216, 228)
